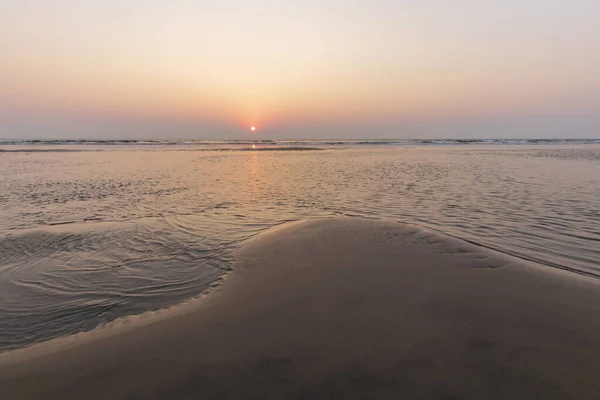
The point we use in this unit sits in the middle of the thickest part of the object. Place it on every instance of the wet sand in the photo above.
(348, 309)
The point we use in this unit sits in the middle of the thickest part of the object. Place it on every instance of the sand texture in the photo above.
(346, 309)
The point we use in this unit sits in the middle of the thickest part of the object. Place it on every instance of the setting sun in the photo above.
(253, 128)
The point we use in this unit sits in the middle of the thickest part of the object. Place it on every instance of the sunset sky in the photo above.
(305, 69)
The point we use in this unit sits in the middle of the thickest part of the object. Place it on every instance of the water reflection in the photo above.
(254, 181)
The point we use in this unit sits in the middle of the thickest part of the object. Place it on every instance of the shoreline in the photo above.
(344, 307)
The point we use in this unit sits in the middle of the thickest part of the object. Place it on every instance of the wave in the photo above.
(244, 148)
(316, 142)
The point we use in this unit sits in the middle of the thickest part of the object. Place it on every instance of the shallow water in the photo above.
(91, 235)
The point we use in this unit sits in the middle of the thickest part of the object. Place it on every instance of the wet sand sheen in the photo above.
(347, 308)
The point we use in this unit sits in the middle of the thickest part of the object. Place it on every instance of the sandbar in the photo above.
(346, 308)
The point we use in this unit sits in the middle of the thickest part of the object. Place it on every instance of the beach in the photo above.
(104, 232)
(345, 308)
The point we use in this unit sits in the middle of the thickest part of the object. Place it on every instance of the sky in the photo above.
(181, 69)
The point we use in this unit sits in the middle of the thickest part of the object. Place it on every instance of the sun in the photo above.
(252, 128)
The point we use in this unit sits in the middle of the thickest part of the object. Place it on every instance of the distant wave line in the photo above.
(289, 142)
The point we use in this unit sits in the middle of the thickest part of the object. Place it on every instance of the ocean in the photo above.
(94, 231)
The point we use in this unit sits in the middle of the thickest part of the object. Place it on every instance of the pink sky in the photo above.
(380, 69)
